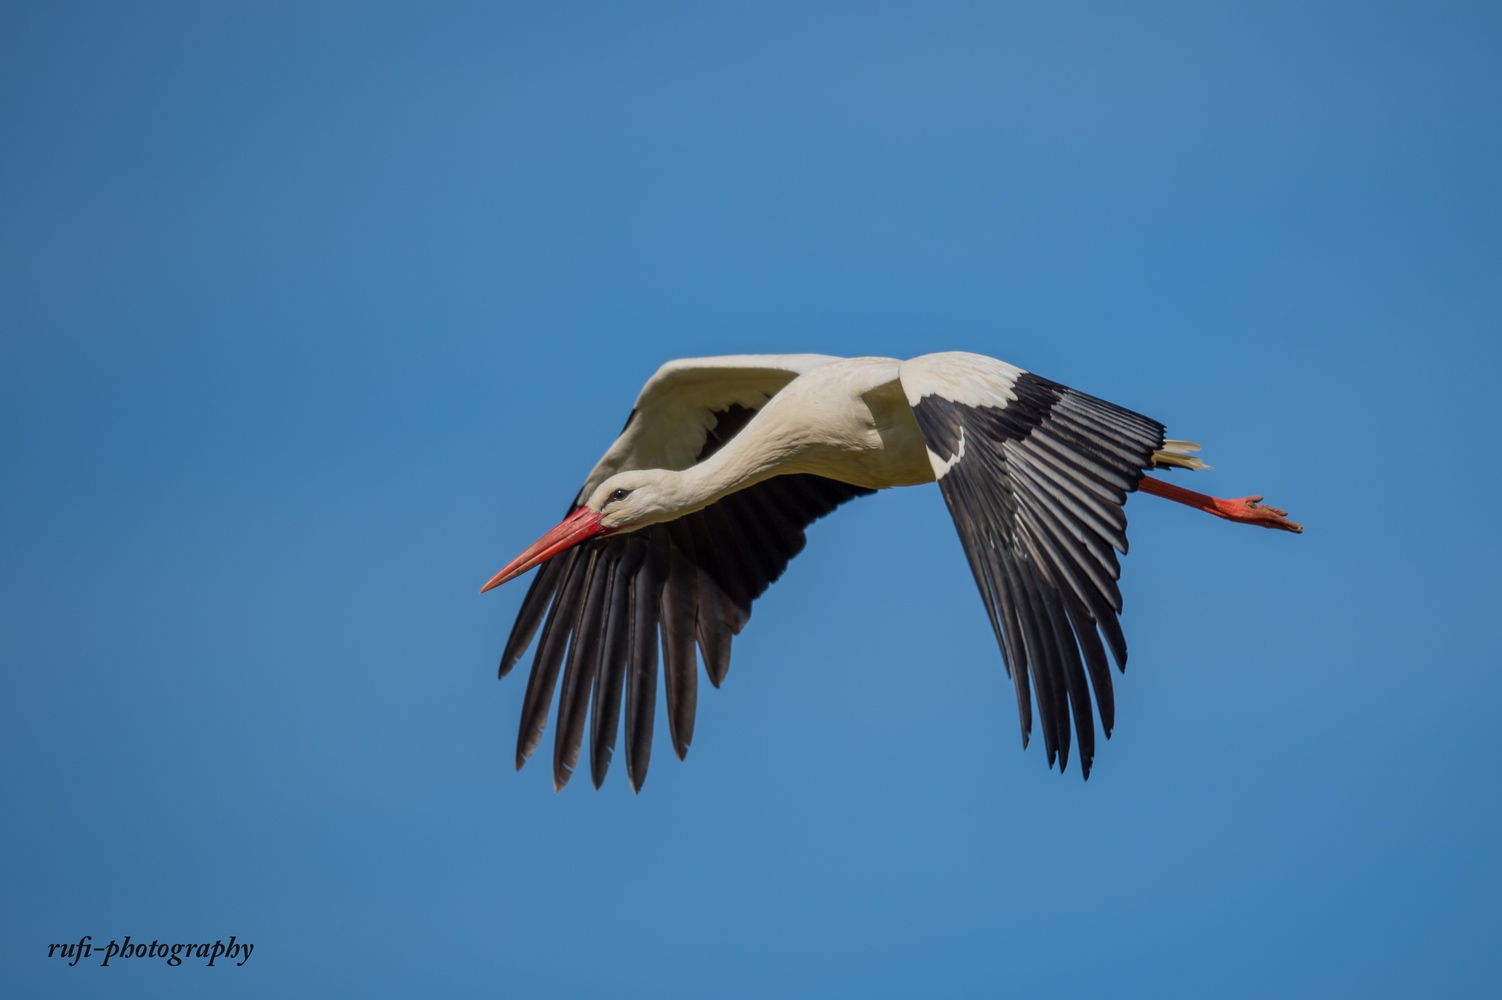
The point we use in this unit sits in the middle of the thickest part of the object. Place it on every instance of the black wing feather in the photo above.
(610, 679)
(550, 648)
(583, 663)
(680, 618)
(1037, 488)
(641, 676)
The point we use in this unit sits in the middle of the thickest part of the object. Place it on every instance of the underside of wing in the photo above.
(1036, 477)
(681, 406)
(610, 610)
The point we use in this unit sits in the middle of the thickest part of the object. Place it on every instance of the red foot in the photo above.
(1245, 510)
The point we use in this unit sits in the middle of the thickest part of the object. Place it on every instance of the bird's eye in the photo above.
(618, 495)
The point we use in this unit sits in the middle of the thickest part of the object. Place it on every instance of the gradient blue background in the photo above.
(312, 316)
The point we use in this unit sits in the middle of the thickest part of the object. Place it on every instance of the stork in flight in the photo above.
(702, 500)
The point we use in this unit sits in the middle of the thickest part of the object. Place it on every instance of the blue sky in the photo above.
(312, 316)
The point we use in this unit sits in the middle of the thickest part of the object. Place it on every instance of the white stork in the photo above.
(702, 500)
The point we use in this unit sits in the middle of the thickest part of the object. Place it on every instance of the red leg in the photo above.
(1246, 510)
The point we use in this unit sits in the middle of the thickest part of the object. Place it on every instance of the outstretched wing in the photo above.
(1036, 476)
(602, 605)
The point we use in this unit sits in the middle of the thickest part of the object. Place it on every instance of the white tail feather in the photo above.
(1178, 455)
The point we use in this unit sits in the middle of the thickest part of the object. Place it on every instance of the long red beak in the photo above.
(578, 526)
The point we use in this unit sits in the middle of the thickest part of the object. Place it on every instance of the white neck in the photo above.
(746, 460)
(726, 471)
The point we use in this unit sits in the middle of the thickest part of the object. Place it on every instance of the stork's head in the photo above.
(631, 500)
(624, 502)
